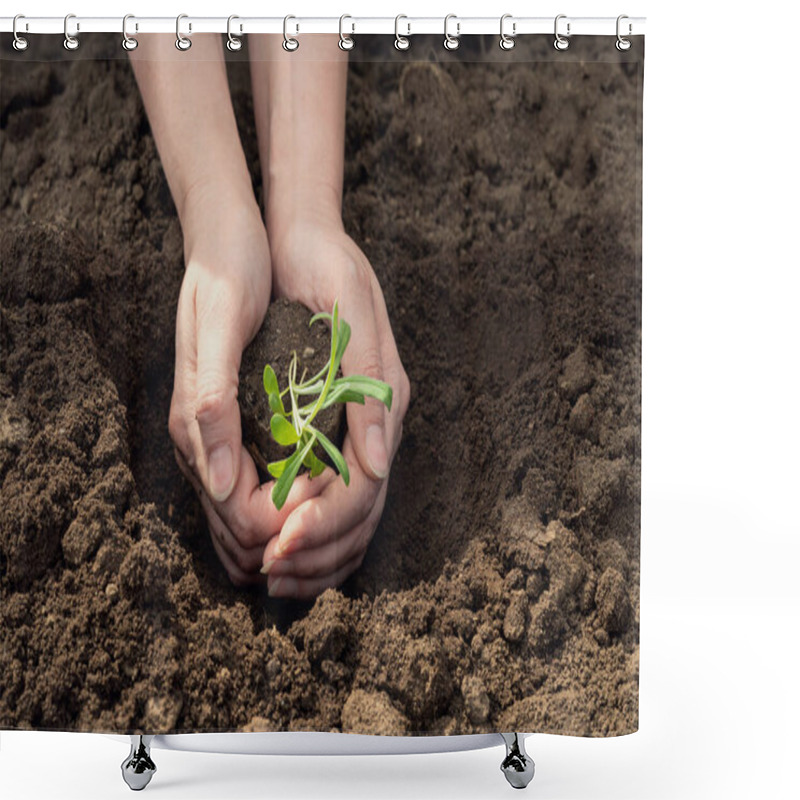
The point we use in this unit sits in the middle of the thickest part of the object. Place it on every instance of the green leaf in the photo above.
(276, 468)
(282, 430)
(366, 386)
(276, 404)
(330, 373)
(344, 340)
(320, 315)
(336, 456)
(316, 466)
(270, 381)
(342, 394)
(335, 330)
(312, 388)
(280, 491)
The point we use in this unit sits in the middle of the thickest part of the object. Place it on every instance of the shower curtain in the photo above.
(484, 576)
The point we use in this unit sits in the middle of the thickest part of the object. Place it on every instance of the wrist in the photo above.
(293, 213)
(212, 208)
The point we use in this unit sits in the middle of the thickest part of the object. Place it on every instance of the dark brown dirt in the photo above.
(498, 199)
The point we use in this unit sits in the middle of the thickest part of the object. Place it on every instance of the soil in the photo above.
(497, 196)
(285, 331)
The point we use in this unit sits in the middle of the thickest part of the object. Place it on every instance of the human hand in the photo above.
(223, 300)
(325, 537)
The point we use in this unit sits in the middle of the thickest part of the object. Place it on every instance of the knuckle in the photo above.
(178, 435)
(309, 515)
(369, 363)
(356, 273)
(366, 503)
(239, 559)
(212, 403)
(238, 526)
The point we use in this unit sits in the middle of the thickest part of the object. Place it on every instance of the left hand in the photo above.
(325, 537)
(223, 299)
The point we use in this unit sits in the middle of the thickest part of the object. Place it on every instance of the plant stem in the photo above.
(329, 377)
(292, 374)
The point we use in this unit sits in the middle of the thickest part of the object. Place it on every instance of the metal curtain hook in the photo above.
(401, 42)
(346, 42)
(181, 42)
(507, 42)
(561, 42)
(623, 44)
(20, 43)
(70, 42)
(290, 44)
(234, 44)
(451, 42)
(128, 42)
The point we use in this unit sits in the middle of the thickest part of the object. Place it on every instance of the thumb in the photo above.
(219, 355)
(366, 423)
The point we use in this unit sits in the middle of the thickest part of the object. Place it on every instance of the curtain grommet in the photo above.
(129, 43)
(234, 43)
(622, 44)
(290, 44)
(401, 43)
(20, 43)
(451, 42)
(346, 42)
(71, 43)
(182, 42)
(507, 40)
(561, 43)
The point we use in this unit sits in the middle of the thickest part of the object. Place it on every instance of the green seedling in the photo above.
(294, 426)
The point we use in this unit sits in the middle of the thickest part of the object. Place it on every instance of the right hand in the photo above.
(325, 539)
(223, 300)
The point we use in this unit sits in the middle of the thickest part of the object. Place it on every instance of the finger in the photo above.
(366, 423)
(244, 561)
(309, 588)
(249, 560)
(250, 512)
(245, 547)
(393, 373)
(336, 510)
(181, 413)
(237, 575)
(219, 354)
(319, 561)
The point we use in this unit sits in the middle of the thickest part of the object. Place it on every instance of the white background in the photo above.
(719, 604)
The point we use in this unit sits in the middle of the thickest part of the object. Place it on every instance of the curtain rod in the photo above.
(402, 25)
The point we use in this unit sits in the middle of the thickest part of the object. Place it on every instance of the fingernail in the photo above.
(376, 451)
(277, 566)
(268, 566)
(289, 545)
(286, 587)
(220, 472)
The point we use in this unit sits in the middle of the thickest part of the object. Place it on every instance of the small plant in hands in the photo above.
(293, 426)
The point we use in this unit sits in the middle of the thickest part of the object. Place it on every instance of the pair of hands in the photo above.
(321, 534)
